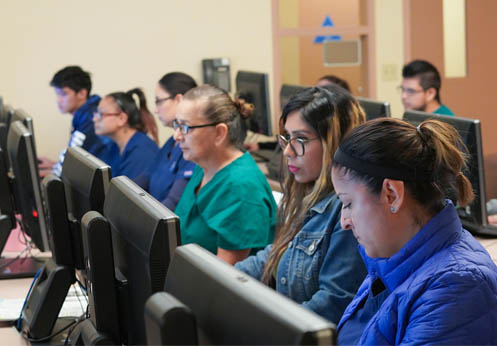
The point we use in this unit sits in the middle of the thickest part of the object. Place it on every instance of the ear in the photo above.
(82, 94)
(393, 194)
(122, 119)
(430, 94)
(221, 134)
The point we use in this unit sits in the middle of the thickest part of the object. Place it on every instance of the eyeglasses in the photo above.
(409, 91)
(296, 144)
(184, 129)
(159, 101)
(99, 114)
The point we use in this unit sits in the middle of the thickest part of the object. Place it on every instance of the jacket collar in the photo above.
(86, 110)
(321, 206)
(440, 232)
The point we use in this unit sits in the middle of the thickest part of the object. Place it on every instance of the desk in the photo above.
(11, 289)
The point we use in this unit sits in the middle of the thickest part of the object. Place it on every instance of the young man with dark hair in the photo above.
(421, 88)
(73, 86)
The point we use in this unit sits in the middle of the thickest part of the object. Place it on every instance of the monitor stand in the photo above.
(24, 267)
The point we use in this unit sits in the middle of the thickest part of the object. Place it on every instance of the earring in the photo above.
(393, 210)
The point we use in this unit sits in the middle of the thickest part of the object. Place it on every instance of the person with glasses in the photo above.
(429, 281)
(227, 206)
(420, 88)
(73, 89)
(127, 124)
(313, 260)
(167, 176)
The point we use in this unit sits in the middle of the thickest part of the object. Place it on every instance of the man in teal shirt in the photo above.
(421, 88)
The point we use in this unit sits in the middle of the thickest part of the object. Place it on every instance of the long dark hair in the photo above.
(331, 112)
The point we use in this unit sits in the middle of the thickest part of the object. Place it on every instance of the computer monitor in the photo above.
(86, 180)
(374, 109)
(81, 188)
(7, 207)
(253, 87)
(231, 308)
(474, 216)
(26, 184)
(144, 235)
(287, 91)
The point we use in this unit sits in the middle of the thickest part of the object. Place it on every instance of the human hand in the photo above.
(492, 219)
(251, 146)
(45, 165)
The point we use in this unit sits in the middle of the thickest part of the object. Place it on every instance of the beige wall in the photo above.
(124, 44)
(389, 52)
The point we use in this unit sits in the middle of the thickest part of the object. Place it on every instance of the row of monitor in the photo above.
(123, 240)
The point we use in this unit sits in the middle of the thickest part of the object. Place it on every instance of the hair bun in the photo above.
(244, 108)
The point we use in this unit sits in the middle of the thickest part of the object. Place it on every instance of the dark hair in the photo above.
(218, 107)
(332, 112)
(335, 80)
(138, 118)
(427, 73)
(434, 149)
(177, 83)
(72, 77)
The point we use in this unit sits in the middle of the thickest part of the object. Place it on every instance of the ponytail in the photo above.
(148, 122)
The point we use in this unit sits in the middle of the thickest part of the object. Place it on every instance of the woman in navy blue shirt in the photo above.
(167, 177)
(119, 118)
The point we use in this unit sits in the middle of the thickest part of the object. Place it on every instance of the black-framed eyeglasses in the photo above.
(99, 114)
(184, 128)
(159, 101)
(409, 91)
(296, 144)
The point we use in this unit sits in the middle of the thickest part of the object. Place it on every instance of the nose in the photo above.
(178, 136)
(288, 151)
(345, 221)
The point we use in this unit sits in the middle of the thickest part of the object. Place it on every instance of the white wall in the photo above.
(123, 44)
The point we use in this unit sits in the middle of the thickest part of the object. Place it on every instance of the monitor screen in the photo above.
(7, 208)
(374, 109)
(287, 91)
(84, 182)
(470, 131)
(231, 308)
(26, 184)
(253, 88)
(144, 236)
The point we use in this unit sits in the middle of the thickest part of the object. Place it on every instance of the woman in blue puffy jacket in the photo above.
(312, 260)
(429, 281)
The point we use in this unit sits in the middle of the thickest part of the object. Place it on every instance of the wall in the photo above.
(124, 44)
(474, 96)
(389, 52)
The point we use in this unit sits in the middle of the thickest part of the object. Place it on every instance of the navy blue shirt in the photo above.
(136, 157)
(168, 168)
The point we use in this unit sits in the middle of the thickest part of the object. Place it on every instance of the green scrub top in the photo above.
(235, 210)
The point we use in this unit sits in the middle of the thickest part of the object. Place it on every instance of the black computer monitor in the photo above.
(144, 235)
(7, 208)
(81, 188)
(374, 109)
(253, 87)
(287, 91)
(26, 184)
(231, 308)
(474, 216)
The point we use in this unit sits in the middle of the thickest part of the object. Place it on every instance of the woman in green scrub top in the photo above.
(227, 206)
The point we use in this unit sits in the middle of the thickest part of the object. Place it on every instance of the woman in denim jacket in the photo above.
(312, 260)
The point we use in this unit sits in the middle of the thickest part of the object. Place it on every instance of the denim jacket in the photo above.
(321, 268)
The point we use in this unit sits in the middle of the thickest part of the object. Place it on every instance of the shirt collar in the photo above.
(440, 232)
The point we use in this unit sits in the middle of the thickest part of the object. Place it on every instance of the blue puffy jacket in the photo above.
(442, 289)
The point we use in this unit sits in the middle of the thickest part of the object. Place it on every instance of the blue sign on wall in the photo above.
(321, 38)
